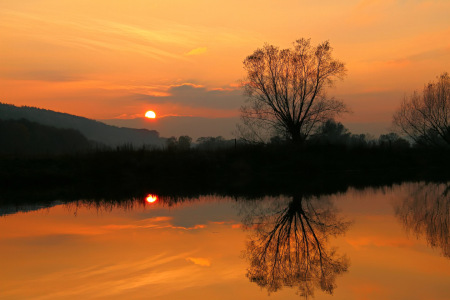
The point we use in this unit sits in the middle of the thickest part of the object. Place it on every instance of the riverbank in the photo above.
(240, 170)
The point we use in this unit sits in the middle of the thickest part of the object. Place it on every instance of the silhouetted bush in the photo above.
(183, 143)
(215, 143)
(393, 141)
(331, 133)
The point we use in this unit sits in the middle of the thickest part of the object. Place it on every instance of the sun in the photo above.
(150, 114)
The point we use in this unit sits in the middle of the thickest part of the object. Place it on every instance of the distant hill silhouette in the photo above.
(23, 137)
(91, 129)
(10, 209)
(194, 127)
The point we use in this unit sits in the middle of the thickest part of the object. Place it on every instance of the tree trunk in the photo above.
(296, 136)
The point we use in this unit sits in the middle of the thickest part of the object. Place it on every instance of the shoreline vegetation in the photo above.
(248, 170)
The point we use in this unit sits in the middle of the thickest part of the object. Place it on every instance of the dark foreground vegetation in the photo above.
(257, 169)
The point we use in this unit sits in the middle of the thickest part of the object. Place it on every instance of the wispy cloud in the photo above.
(198, 96)
(204, 262)
(197, 51)
(52, 234)
(154, 223)
(112, 280)
(99, 35)
(154, 276)
(158, 39)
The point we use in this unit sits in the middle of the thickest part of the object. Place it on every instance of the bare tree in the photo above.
(425, 211)
(289, 245)
(424, 117)
(286, 90)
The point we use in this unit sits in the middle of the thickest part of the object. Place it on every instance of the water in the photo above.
(376, 243)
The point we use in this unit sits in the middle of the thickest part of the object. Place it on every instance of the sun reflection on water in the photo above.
(151, 198)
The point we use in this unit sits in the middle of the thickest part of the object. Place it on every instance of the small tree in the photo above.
(392, 141)
(425, 117)
(213, 143)
(172, 143)
(286, 90)
(184, 142)
(332, 132)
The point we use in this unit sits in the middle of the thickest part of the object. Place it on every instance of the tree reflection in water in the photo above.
(426, 211)
(288, 244)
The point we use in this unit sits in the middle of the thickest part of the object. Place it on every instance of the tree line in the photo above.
(330, 133)
(287, 99)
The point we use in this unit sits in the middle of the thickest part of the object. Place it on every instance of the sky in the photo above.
(111, 59)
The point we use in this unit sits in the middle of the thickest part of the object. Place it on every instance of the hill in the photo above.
(23, 137)
(93, 130)
(194, 127)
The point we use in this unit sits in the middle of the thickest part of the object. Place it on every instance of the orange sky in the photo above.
(108, 58)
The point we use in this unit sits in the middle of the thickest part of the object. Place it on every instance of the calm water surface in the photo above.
(383, 243)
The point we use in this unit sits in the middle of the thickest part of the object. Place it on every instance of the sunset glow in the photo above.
(185, 57)
(151, 198)
(150, 114)
(257, 149)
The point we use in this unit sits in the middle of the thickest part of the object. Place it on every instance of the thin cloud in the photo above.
(197, 51)
(99, 35)
(198, 96)
(200, 261)
(402, 61)
(42, 75)
(159, 39)
(128, 116)
(430, 54)
(154, 223)
(122, 277)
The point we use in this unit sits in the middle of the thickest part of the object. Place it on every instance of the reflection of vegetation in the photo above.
(426, 211)
(289, 247)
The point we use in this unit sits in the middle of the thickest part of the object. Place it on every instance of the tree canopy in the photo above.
(285, 90)
(425, 117)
